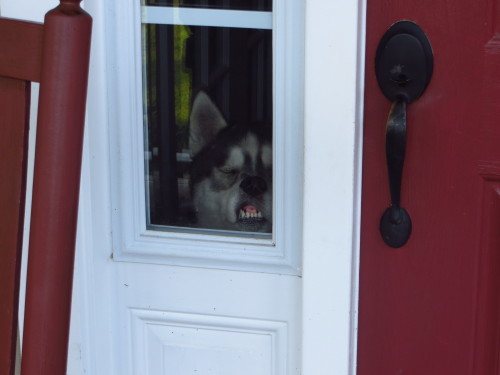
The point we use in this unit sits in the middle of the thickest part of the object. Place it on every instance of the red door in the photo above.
(432, 307)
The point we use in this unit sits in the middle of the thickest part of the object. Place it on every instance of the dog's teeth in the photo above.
(244, 214)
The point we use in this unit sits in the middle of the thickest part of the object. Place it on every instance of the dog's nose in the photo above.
(253, 185)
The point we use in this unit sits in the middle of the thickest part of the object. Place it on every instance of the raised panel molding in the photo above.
(182, 344)
(486, 345)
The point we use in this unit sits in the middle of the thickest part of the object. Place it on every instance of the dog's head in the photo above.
(231, 176)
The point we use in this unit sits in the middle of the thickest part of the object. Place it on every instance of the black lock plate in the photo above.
(404, 62)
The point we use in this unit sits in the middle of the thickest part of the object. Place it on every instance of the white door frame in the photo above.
(335, 45)
(334, 83)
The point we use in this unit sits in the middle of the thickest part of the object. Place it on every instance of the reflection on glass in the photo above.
(208, 126)
(262, 5)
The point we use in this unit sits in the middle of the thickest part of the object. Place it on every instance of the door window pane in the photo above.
(208, 125)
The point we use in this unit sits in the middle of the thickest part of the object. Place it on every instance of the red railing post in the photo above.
(14, 124)
(61, 113)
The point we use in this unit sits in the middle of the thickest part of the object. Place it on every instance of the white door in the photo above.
(152, 299)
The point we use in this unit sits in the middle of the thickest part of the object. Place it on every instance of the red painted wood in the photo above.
(432, 307)
(14, 103)
(486, 355)
(21, 43)
(66, 45)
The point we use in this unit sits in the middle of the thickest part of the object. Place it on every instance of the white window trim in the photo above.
(132, 241)
(207, 17)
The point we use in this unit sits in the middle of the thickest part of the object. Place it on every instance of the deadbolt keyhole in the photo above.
(399, 76)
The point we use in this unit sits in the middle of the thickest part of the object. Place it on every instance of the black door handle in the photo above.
(395, 225)
(404, 65)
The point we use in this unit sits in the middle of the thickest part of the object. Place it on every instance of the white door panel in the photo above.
(200, 315)
(183, 303)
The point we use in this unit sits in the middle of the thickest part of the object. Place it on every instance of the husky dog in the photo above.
(231, 176)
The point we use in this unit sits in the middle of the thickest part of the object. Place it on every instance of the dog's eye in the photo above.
(228, 171)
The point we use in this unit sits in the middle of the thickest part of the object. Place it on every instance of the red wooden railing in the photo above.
(56, 54)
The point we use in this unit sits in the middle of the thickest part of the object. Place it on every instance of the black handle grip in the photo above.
(395, 225)
(395, 148)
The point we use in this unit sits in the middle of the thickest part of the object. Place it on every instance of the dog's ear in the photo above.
(204, 123)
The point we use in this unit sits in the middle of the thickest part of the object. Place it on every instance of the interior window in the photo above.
(208, 114)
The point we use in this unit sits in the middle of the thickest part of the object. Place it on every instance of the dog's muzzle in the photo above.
(250, 218)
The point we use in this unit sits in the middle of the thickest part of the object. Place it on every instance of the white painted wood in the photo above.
(96, 272)
(207, 17)
(180, 343)
(333, 141)
(214, 299)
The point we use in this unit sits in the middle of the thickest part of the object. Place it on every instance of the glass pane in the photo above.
(263, 5)
(208, 125)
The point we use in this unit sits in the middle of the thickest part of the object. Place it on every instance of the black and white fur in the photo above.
(231, 177)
